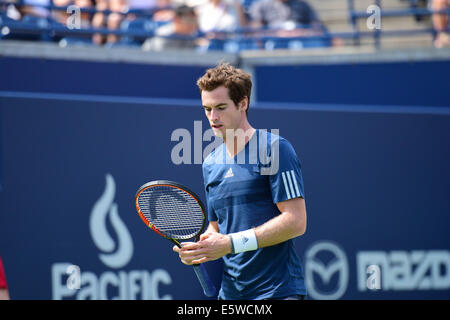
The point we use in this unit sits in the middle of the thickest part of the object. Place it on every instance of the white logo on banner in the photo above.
(337, 265)
(70, 281)
(115, 255)
(405, 270)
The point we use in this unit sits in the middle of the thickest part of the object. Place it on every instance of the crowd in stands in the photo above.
(184, 23)
(193, 23)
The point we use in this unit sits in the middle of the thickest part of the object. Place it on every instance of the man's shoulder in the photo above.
(273, 138)
(277, 147)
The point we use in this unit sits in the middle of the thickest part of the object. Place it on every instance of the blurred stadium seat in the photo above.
(140, 24)
(30, 28)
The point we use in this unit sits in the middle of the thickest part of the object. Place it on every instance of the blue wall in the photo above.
(419, 83)
(376, 188)
(98, 78)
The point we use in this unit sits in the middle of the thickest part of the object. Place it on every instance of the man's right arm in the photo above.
(212, 227)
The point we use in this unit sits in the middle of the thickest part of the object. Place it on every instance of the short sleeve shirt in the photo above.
(242, 193)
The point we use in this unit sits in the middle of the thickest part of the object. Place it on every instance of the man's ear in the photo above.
(243, 105)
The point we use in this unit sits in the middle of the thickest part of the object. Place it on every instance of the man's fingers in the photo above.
(193, 252)
(176, 249)
(189, 246)
(201, 260)
(194, 260)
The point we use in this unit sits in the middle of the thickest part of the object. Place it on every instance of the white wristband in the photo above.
(243, 241)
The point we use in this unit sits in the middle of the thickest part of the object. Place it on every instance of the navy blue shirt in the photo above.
(242, 193)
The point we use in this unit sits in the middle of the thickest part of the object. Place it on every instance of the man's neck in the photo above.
(236, 140)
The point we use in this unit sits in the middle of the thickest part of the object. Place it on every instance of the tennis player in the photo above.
(255, 208)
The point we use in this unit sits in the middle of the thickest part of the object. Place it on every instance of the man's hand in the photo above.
(212, 246)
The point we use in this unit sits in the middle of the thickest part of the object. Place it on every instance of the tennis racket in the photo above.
(176, 213)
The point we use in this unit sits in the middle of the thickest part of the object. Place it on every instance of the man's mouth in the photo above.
(216, 126)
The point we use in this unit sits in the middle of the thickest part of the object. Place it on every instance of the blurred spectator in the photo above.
(221, 15)
(113, 20)
(164, 11)
(34, 8)
(62, 15)
(178, 34)
(281, 13)
(141, 4)
(10, 10)
(285, 18)
(440, 23)
(4, 291)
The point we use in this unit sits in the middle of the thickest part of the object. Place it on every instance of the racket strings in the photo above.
(173, 211)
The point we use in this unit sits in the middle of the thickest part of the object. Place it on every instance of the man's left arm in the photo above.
(290, 223)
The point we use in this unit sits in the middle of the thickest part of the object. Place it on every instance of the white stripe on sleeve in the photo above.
(295, 183)
(290, 184)
(285, 185)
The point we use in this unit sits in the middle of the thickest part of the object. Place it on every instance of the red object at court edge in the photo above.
(3, 283)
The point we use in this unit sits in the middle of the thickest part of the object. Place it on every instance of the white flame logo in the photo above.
(103, 208)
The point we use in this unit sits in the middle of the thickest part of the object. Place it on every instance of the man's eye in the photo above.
(208, 109)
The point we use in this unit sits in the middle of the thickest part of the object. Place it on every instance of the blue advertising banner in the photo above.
(376, 189)
(71, 172)
(407, 83)
(99, 78)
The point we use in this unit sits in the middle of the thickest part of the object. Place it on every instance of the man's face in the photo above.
(221, 111)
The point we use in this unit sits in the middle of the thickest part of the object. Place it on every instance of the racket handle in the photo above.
(208, 287)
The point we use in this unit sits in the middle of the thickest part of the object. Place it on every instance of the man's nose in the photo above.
(214, 115)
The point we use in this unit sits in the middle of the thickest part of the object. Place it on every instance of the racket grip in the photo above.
(208, 287)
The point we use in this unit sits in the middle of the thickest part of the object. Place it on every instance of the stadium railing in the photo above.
(134, 33)
(377, 33)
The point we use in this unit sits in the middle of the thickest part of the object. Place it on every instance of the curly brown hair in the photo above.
(237, 81)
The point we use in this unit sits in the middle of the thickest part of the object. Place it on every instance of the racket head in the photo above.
(171, 209)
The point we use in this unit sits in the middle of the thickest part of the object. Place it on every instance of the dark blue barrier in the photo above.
(376, 186)
(419, 83)
(99, 78)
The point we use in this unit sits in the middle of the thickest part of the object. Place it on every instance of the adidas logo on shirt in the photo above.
(229, 173)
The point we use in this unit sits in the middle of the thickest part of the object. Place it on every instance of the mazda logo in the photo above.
(325, 270)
